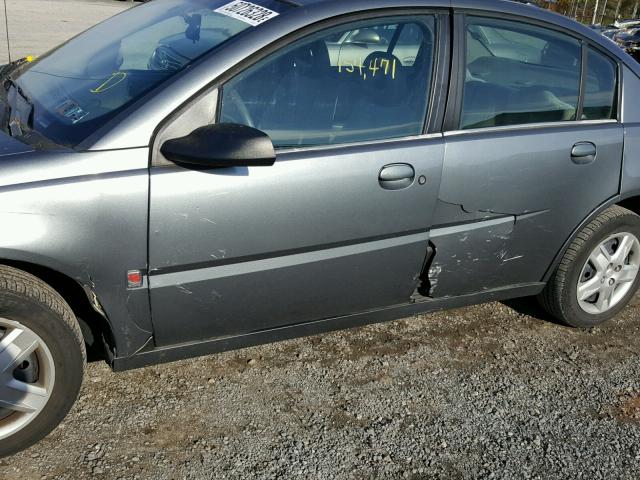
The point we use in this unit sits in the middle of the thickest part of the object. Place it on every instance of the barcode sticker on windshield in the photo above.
(247, 12)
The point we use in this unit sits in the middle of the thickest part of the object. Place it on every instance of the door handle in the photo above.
(397, 176)
(583, 153)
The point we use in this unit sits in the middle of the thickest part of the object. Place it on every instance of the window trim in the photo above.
(453, 115)
(530, 126)
(439, 86)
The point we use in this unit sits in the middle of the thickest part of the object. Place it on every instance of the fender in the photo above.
(84, 216)
(558, 258)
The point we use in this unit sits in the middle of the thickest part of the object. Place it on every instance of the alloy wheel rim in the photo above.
(22, 400)
(609, 273)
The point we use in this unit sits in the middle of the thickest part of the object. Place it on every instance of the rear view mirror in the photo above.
(221, 146)
(367, 37)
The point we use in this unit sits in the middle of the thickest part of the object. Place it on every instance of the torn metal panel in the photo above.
(494, 253)
(454, 214)
(466, 256)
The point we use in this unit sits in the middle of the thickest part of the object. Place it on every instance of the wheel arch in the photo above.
(96, 329)
(630, 202)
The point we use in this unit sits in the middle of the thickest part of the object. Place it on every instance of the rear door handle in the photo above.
(397, 176)
(584, 153)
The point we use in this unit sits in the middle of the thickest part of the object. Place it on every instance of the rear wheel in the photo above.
(598, 275)
(42, 359)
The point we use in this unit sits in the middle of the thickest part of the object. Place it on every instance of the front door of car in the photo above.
(528, 158)
(338, 225)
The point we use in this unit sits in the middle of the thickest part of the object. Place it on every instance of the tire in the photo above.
(30, 309)
(560, 296)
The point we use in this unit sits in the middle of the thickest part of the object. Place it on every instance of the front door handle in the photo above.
(397, 176)
(584, 153)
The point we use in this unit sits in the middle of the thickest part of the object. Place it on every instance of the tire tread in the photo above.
(21, 283)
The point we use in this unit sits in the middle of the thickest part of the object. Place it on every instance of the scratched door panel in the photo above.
(528, 176)
(239, 250)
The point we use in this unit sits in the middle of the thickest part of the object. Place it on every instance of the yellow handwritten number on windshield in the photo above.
(376, 66)
(111, 82)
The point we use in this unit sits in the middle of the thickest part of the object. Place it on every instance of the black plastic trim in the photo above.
(583, 79)
(221, 145)
(457, 76)
(440, 76)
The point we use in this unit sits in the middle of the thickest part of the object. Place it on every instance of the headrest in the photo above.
(311, 58)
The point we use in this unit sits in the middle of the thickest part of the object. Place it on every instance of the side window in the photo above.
(600, 87)
(354, 83)
(518, 74)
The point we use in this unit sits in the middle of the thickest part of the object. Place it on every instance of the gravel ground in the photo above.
(481, 392)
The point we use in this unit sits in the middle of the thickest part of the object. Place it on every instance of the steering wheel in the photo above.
(232, 95)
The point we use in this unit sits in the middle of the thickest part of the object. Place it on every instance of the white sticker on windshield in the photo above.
(247, 12)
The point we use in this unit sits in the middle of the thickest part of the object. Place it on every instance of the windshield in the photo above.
(76, 89)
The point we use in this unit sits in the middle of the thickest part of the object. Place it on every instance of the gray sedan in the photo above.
(194, 176)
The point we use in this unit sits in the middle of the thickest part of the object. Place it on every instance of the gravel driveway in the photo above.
(483, 392)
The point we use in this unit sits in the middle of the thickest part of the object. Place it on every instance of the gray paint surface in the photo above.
(83, 215)
(312, 201)
(315, 236)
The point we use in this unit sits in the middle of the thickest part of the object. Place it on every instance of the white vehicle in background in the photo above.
(351, 49)
(625, 24)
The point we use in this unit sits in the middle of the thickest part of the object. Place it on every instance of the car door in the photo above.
(533, 147)
(338, 225)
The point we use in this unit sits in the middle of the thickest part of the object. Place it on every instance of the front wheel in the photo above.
(598, 274)
(42, 359)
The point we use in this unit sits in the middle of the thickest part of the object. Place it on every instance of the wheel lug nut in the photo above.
(618, 268)
(611, 281)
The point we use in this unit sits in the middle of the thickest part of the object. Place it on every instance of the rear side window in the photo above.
(600, 87)
(359, 82)
(519, 74)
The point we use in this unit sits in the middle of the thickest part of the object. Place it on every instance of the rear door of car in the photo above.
(339, 224)
(533, 146)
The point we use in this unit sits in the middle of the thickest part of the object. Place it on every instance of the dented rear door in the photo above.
(533, 147)
(509, 200)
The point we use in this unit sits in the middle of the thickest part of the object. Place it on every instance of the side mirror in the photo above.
(221, 146)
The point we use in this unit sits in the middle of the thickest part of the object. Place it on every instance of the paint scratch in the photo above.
(185, 290)
(505, 260)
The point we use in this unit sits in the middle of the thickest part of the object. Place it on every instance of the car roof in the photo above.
(510, 7)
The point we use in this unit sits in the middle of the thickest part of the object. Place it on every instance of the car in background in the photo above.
(626, 24)
(629, 41)
(195, 176)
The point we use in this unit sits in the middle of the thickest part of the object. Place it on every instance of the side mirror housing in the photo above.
(222, 145)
